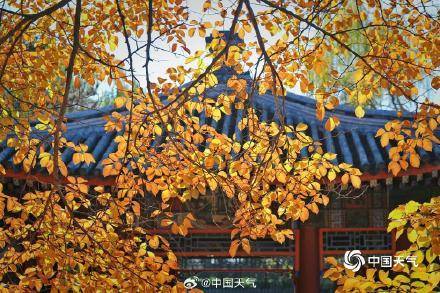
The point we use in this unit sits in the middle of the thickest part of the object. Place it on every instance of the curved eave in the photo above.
(353, 141)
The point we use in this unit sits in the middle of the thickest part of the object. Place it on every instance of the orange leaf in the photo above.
(166, 222)
(136, 208)
(246, 245)
(233, 248)
(414, 160)
(356, 181)
(304, 214)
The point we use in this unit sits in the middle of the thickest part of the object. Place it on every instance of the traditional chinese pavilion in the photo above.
(351, 223)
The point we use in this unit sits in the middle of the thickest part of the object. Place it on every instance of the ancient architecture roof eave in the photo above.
(99, 180)
(353, 141)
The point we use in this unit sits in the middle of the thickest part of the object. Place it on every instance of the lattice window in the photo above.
(362, 202)
(221, 243)
(378, 200)
(336, 218)
(238, 262)
(378, 217)
(362, 240)
(357, 218)
(335, 203)
(267, 273)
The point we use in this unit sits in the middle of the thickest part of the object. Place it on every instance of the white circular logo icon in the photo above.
(353, 260)
(190, 283)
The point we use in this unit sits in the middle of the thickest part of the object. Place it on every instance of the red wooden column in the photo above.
(309, 260)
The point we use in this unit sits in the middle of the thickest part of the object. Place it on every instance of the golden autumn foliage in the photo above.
(74, 235)
(420, 223)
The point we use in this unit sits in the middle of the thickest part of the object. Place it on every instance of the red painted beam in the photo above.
(110, 181)
(49, 179)
(427, 168)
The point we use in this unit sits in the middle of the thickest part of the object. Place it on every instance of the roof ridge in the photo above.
(348, 109)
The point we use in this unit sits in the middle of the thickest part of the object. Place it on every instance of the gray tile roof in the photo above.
(353, 141)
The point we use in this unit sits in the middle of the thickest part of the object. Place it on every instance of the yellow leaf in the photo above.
(370, 274)
(356, 181)
(402, 279)
(358, 75)
(12, 205)
(359, 111)
(157, 130)
(301, 127)
(281, 176)
(166, 195)
(350, 284)
(191, 31)
(120, 102)
(411, 207)
(40, 126)
(77, 158)
(427, 145)
(331, 260)
(212, 80)
(430, 256)
(384, 140)
(396, 214)
(212, 184)
(412, 235)
(216, 114)
(154, 242)
(383, 277)
(331, 175)
(113, 43)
